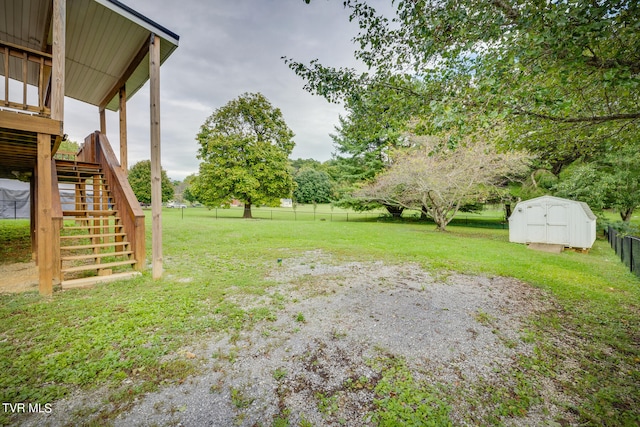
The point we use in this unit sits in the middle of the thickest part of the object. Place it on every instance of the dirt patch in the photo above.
(318, 362)
(18, 277)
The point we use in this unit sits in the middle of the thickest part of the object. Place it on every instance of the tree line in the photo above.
(462, 103)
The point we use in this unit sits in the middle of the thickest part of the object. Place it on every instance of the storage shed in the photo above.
(553, 220)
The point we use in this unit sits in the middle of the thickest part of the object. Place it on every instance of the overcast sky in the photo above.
(229, 47)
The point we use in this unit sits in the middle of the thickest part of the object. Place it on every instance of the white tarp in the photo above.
(14, 199)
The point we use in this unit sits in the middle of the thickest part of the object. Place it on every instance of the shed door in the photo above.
(558, 223)
(548, 223)
(536, 224)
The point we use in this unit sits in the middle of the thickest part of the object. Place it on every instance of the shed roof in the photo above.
(105, 45)
(585, 207)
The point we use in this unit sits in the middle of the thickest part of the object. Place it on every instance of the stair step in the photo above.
(85, 213)
(79, 167)
(84, 173)
(71, 163)
(91, 236)
(95, 245)
(92, 256)
(89, 172)
(87, 282)
(87, 219)
(82, 206)
(91, 227)
(98, 266)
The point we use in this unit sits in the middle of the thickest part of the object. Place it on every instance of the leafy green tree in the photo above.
(69, 146)
(611, 182)
(554, 75)
(244, 151)
(187, 193)
(313, 186)
(374, 125)
(140, 181)
(299, 164)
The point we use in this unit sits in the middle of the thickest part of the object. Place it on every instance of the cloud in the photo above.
(228, 48)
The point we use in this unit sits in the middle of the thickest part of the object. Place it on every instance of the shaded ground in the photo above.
(338, 330)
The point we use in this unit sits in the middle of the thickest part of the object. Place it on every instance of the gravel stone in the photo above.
(336, 318)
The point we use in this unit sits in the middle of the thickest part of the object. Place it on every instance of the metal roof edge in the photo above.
(140, 19)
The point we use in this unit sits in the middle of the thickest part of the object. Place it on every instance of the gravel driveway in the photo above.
(335, 319)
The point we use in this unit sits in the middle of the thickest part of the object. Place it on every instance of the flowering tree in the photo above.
(439, 179)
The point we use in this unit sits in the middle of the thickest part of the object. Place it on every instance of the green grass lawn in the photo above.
(85, 339)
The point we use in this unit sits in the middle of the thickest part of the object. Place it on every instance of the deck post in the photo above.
(33, 191)
(58, 59)
(103, 121)
(156, 183)
(44, 223)
(123, 131)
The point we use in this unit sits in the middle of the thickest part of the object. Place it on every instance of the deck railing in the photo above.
(27, 67)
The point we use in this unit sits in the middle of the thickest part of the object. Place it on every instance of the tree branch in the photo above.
(592, 119)
(511, 13)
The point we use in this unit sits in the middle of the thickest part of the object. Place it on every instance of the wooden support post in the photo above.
(44, 231)
(58, 59)
(123, 131)
(103, 121)
(156, 189)
(33, 222)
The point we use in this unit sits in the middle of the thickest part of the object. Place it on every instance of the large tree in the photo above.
(556, 75)
(140, 181)
(440, 180)
(374, 124)
(244, 152)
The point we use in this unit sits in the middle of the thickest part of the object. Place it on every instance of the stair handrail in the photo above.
(98, 149)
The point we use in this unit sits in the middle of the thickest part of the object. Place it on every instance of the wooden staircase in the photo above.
(94, 245)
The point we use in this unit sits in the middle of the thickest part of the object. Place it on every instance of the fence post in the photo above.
(347, 216)
(631, 254)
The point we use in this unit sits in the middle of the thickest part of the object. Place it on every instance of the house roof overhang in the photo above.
(106, 45)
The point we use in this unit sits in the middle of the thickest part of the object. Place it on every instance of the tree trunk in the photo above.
(424, 215)
(507, 210)
(247, 210)
(395, 211)
(440, 218)
(625, 214)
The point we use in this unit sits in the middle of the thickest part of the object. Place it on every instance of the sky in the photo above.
(227, 48)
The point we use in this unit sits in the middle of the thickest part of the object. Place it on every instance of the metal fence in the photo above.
(340, 216)
(627, 248)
